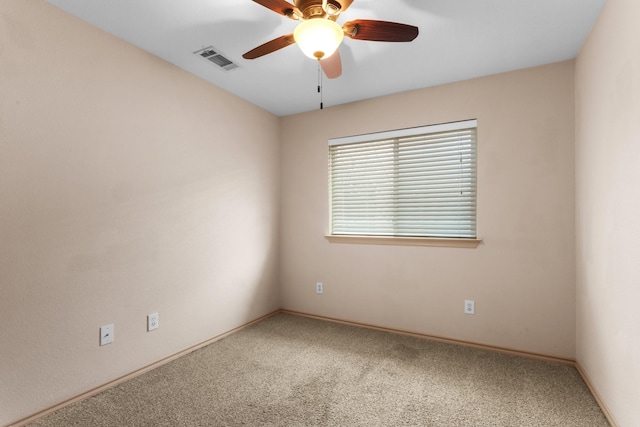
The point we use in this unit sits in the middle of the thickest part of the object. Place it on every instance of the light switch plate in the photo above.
(106, 334)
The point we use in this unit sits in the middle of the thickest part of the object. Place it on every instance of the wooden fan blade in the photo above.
(280, 6)
(270, 46)
(379, 31)
(332, 66)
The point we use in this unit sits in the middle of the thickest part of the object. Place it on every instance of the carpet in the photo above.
(290, 370)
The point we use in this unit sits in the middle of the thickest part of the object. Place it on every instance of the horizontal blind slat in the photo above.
(420, 185)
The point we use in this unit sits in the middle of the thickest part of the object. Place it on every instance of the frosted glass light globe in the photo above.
(318, 38)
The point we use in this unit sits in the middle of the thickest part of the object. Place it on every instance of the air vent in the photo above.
(213, 55)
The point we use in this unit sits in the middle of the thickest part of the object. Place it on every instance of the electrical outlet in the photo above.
(469, 306)
(106, 334)
(319, 288)
(153, 320)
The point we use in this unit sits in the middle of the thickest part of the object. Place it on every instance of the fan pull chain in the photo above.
(320, 85)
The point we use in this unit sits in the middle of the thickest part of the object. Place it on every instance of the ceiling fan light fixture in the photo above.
(318, 38)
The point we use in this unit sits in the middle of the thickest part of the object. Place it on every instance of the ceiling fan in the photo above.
(319, 36)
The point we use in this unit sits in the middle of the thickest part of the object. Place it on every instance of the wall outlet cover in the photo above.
(153, 321)
(469, 306)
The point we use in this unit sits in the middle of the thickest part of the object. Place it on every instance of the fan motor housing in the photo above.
(313, 8)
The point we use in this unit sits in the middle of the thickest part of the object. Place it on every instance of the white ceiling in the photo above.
(458, 40)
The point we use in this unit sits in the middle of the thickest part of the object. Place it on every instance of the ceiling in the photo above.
(458, 40)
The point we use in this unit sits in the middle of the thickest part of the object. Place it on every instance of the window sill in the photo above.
(405, 241)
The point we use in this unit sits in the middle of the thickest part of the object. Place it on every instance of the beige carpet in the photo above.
(295, 371)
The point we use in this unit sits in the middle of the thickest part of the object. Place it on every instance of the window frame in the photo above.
(413, 240)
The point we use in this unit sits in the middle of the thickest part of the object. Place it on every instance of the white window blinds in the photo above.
(418, 182)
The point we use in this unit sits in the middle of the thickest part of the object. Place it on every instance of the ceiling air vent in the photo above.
(213, 55)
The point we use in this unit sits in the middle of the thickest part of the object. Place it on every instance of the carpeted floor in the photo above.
(294, 371)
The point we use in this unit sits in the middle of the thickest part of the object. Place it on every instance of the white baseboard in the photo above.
(133, 374)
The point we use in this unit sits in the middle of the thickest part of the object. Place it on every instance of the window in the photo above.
(418, 182)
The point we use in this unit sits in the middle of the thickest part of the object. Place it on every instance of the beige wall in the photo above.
(127, 186)
(521, 277)
(608, 208)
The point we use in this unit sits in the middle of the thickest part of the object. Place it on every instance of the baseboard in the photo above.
(603, 406)
(555, 359)
(571, 362)
(188, 350)
(135, 373)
